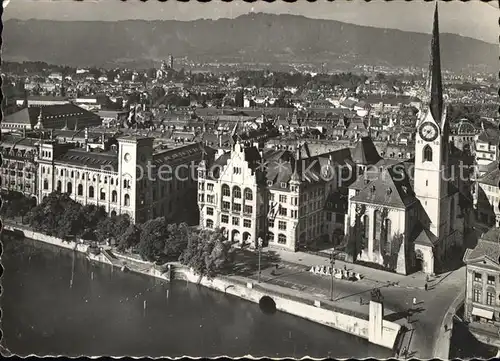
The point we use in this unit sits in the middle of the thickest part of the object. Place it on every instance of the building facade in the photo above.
(19, 166)
(273, 195)
(127, 177)
(482, 300)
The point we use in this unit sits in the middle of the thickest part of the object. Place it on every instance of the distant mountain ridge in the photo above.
(255, 37)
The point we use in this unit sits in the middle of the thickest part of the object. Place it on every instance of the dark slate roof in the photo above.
(365, 152)
(392, 188)
(91, 159)
(487, 246)
(23, 116)
(179, 154)
(492, 177)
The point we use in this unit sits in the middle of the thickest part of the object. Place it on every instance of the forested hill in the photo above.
(247, 38)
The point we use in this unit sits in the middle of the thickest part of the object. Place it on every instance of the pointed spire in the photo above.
(39, 124)
(435, 86)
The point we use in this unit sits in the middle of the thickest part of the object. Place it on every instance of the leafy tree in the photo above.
(207, 253)
(69, 222)
(45, 216)
(105, 229)
(176, 239)
(152, 240)
(92, 215)
(129, 238)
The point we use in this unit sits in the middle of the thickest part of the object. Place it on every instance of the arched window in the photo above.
(69, 188)
(80, 190)
(388, 230)
(366, 224)
(113, 213)
(210, 223)
(102, 195)
(45, 184)
(427, 154)
(236, 192)
(248, 194)
(225, 190)
(114, 196)
(59, 186)
(281, 239)
(270, 237)
(377, 224)
(91, 192)
(62, 172)
(126, 200)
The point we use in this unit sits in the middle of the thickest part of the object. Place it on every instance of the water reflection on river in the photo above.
(56, 302)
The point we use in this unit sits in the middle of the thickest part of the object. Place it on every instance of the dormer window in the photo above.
(269, 182)
(283, 185)
(389, 191)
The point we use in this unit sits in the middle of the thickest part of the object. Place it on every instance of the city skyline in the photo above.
(471, 19)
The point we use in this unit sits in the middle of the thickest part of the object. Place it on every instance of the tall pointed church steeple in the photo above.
(435, 85)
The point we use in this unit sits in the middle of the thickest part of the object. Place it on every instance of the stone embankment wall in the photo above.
(336, 320)
(80, 247)
(315, 313)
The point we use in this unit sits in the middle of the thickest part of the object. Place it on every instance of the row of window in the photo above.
(247, 223)
(91, 192)
(226, 192)
(478, 277)
(477, 297)
(237, 207)
(13, 173)
(281, 224)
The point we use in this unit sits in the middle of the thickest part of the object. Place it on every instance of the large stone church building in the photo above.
(407, 215)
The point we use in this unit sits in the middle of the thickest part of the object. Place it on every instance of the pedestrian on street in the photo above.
(277, 265)
(360, 301)
(414, 301)
(426, 286)
(345, 267)
(446, 327)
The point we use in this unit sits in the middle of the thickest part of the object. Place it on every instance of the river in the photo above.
(56, 302)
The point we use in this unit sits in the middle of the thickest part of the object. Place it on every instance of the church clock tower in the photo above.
(432, 144)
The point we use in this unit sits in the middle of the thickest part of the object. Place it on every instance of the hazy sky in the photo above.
(473, 18)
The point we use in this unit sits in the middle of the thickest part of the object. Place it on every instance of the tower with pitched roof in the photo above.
(432, 145)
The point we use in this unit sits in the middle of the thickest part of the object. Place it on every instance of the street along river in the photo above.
(55, 302)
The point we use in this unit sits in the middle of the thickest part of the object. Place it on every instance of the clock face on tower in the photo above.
(127, 157)
(428, 131)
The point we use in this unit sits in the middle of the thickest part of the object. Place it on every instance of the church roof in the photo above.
(392, 188)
